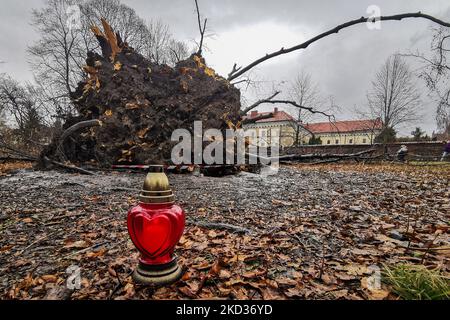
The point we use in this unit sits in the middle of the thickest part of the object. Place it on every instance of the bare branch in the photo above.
(271, 100)
(69, 167)
(201, 28)
(77, 127)
(81, 125)
(299, 157)
(259, 102)
(294, 104)
(399, 17)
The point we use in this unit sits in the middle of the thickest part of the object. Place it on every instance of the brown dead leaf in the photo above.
(187, 276)
(81, 244)
(293, 293)
(96, 254)
(254, 274)
(112, 272)
(50, 278)
(131, 106)
(117, 66)
(212, 234)
(142, 133)
(187, 292)
(344, 276)
(328, 279)
(340, 294)
(6, 248)
(270, 294)
(224, 274)
(286, 282)
(213, 272)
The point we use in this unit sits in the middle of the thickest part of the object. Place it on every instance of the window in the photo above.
(351, 141)
(329, 142)
(263, 138)
(337, 141)
(364, 140)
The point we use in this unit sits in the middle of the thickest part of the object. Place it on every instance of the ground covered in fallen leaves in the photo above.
(313, 232)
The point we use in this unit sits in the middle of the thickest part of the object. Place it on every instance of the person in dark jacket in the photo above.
(402, 153)
(446, 150)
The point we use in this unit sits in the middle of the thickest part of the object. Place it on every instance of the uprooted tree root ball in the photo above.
(138, 105)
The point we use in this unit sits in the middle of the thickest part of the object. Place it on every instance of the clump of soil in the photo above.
(140, 104)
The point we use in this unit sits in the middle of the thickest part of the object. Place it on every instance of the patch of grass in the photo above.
(417, 282)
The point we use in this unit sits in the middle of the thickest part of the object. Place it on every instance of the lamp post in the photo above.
(155, 227)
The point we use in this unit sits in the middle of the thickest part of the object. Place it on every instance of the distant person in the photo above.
(402, 153)
(446, 150)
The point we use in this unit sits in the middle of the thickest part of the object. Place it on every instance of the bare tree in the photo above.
(394, 97)
(160, 47)
(57, 58)
(23, 106)
(53, 57)
(435, 72)
(306, 92)
(120, 17)
(178, 51)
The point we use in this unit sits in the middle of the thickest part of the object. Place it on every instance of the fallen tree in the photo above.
(139, 103)
(303, 157)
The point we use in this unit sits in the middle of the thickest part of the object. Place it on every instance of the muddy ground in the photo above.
(314, 232)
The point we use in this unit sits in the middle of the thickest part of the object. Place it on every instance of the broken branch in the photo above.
(80, 125)
(201, 28)
(74, 168)
(297, 157)
(240, 71)
(259, 102)
(77, 127)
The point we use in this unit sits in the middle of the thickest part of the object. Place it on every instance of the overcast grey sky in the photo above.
(343, 64)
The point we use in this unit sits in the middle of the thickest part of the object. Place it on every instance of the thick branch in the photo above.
(257, 103)
(14, 151)
(240, 71)
(295, 104)
(297, 157)
(272, 101)
(75, 128)
(69, 167)
(201, 28)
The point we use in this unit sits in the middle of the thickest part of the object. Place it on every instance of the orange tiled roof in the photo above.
(277, 116)
(344, 126)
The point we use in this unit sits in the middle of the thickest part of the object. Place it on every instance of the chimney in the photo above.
(254, 114)
(275, 111)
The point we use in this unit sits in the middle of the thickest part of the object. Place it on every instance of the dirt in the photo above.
(315, 232)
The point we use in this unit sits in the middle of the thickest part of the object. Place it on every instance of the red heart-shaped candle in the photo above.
(155, 230)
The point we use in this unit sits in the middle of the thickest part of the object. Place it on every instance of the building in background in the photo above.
(276, 128)
(346, 132)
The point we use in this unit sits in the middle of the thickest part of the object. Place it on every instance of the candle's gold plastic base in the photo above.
(160, 275)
